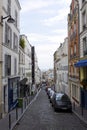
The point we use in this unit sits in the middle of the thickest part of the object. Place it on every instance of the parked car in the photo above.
(48, 91)
(52, 92)
(61, 101)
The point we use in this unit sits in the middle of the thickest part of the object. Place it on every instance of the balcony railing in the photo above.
(74, 76)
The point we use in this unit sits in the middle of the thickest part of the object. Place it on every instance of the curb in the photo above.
(81, 118)
(15, 123)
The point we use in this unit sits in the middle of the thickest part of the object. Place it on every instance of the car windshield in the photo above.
(59, 96)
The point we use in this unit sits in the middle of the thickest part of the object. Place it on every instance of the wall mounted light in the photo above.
(9, 20)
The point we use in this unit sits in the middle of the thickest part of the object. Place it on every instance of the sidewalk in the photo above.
(81, 113)
(11, 119)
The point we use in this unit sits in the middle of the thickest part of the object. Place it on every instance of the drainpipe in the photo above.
(1, 39)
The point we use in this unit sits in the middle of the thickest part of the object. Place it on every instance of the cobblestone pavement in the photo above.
(41, 116)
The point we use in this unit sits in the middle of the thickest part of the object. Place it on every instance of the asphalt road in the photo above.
(41, 116)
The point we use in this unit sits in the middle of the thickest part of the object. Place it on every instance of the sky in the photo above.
(44, 22)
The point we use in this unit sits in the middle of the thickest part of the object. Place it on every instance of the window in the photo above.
(75, 48)
(19, 55)
(62, 76)
(15, 42)
(85, 46)
(84, 20)
(14, 91)
(16, 17)
(83, 1)
(9, 7)
(75, 71)
(7, 65)
(71, 50)
(15, 66)
(74, 27)
(75, 91)
(8, 36)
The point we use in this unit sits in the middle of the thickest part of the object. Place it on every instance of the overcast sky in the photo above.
(44, 22)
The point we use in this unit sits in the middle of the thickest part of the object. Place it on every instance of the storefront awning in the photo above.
(81, 63)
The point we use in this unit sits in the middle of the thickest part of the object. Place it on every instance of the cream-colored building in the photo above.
(61, 67)
(48, 77)
(37, 72)
(26, 58)
(9, 44)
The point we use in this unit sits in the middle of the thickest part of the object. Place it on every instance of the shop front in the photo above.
(12, 92)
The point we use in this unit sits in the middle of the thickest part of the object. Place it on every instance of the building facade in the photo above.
(48, 78)
(61, 65)
(73, 51)
(10, 55)
(82, 63)
(25, 62)
(57, 57)
(62, 70)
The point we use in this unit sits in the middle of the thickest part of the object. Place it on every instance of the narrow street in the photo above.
(41, 116)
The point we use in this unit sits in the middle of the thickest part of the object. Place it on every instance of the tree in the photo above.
(22, 43)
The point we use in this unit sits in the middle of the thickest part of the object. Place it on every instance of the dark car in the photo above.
(51, 94)
(48, 91)
(61, 101)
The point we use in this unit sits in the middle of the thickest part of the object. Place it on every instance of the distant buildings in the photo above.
(61, 67)
(29, 72)
(48, 77)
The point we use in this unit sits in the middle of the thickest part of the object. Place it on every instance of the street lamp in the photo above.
(9, 20)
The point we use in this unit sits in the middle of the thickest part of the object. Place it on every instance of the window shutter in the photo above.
(6, 33)
(9, 65)
(6, 65)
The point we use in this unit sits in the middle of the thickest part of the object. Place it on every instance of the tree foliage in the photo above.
(22, 43)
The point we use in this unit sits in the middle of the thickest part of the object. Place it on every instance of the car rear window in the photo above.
(62, 97)
(65, 98)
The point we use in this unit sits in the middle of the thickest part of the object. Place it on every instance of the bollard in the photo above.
(9, 121)
(74, 105)
(82, 110)
(16, 113)
(22, 109)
